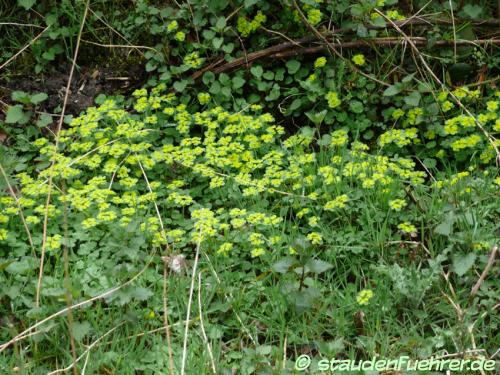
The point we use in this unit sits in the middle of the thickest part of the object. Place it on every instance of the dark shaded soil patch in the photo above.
(87, 83)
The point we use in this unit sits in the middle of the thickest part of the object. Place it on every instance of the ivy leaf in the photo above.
(217, 42)
(257, 71)
(26, 4)
(463, 262)
(238, 82)
(293, 66)
(179, 86)
(473, 11)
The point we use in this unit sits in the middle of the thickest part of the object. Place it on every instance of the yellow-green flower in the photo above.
(257, 252)
(333, 99)
(3, 234)
(172, 26)
(225, 248)
(407, 228)
(359, 59)
(314, 16)
(54, 242)
(364, 297)
(180, 36)
(315, 238)
(397, 204)
(320, 62)
(203, 98)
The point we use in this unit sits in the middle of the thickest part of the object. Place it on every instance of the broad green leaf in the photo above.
(80, 330)
(38, 98)
(446, 227)
(463, 262)
(393, 90)
(318, 266)
(238, 82)
(180, 86)
(293, 66)
(413, 99)
(257, 71)
(26, 4)
(15, 114)
(283, 265)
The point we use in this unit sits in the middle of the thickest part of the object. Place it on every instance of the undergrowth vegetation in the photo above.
(239, 211)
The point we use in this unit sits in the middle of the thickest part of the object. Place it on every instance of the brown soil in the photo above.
(87, 83)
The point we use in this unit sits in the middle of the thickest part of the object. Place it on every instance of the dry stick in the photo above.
(165, 312)
(443, 87)
(165, 318)
(24, 48)
(118, 45)
(491, 261)
(190, 300)
(200, 311)
(20, 24)
(69, 300)
(59, 126)
(86, 352)
(20, 209)
(454, 32)
(28, 331)
(388, 42)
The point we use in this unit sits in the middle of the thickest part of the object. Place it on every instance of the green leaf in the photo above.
(80, 330)
(20, 97)
(269, 75)
(318, 266)
(20, 267)
(38, 98)
(393, 90)
(44, 120)
(257, 71)
(238, 82)
(293, 66)
(15, 114)
(356, 106)
(463, 262)
(221, 23)
(446, 227)
(413, 99)
(283, 265)
(208, 77)
(316, 117)
(142, 294)
(26, 4)
(295, 105)
(473, 11)
(217, 42)
(180, 86)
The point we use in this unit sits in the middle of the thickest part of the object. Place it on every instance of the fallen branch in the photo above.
(288, 49)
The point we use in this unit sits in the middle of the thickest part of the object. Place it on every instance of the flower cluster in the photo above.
(246, 27)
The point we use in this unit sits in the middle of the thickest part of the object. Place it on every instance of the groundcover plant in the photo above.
(291, 182)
